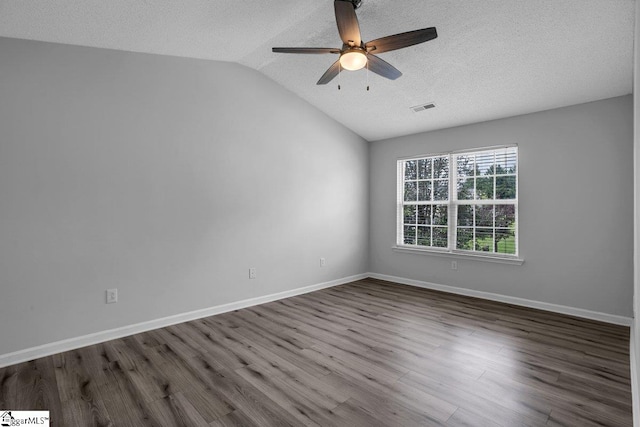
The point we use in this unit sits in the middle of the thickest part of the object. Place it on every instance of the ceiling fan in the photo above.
(355, 54)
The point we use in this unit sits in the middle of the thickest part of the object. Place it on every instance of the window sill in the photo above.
(460, 255)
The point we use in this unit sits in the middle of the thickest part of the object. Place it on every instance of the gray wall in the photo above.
(576, 207)
(166, 178)
(635, 329)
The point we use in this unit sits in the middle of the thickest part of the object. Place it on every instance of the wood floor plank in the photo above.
(464, 418)
(80, 395)
(145, 372)
(241, 394)
(208, 403)
(307, 412)
(234, 419)
(32, 386)
(9, 387)
(175, 410)
(477, 400)
(313, 389)
(368, 353)
(427, 407)
(387, 411)
(124, 401)
(352, 414)
(122, 407)
(285, 346)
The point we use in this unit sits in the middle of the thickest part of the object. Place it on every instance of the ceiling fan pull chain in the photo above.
(367, 76)
(339, 71)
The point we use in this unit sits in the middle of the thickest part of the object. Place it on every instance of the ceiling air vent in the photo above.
(423, 107)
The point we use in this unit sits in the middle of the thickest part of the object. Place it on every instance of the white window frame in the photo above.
(453, 203)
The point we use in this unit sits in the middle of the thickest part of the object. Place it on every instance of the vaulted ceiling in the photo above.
(492, 58)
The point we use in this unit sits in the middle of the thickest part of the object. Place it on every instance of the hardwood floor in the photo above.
(369, 353)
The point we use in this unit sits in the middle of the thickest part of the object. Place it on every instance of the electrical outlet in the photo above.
(112, 296)
(323, 262)
(252, 273)
(454, 265)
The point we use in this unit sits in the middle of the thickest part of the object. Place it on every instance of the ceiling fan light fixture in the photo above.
(353, 60)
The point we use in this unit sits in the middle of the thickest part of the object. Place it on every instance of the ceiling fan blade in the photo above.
(330, 73)
(382, 67)
(398, 41)
(305, 50)
(347, 23)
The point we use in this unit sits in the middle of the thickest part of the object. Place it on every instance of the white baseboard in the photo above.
(98, 337)
(563, 309)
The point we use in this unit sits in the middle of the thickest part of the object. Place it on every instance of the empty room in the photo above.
(319, 213)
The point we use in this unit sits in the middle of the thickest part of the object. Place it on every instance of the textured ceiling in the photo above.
(492, 59)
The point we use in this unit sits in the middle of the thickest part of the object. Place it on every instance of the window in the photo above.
(460, 202)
